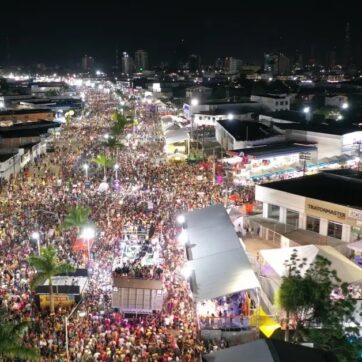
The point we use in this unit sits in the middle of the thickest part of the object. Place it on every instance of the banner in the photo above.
(59, 299)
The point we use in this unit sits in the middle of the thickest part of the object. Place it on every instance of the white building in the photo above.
(127, 64)
(233, 134)
(336, 101)
(275, 102)
(312, 209)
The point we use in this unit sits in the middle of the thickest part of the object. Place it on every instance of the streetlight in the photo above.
(306, 111)
(230, 116)
(345, 105)
(88, 233)
(36, 236)
(194, 102)
(85, 166)
(106, 136)
(116, 167)
(181, 219)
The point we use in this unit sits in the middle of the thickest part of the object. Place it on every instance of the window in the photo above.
(276, 103)
(273, 212)
(334, 230)
(313, 224)
(293, 218)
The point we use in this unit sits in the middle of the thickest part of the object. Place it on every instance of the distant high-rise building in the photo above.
(219, 64)
(127, 64)
(141, 60)
(194, 63)
(276, 64)
(331, 59)
(234, 65)
(348, 60)
(87, 63)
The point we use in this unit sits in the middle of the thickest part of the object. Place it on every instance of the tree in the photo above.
(48, 265)
(105, 162)
(320, 318)
(77, 217)
(11, 341)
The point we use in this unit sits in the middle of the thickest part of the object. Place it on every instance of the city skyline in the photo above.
(63, 35)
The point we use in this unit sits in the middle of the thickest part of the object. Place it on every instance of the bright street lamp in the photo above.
(181, 219)
(306, 110)
(230, 116)
(36, 236)
(85, 166)
(88, 233)
(106, 136)
(194, 102)
(345, 105)
(116, 168)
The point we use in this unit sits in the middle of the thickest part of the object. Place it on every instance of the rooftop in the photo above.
(276, 149)
(248, 130)
(24, 111)
(339, 130)
(273, 96)
(5, 156)
(324, 186)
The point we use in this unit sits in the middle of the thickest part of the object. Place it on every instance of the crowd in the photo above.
(152, 194)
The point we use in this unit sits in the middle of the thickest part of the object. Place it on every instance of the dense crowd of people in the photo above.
(152, 194)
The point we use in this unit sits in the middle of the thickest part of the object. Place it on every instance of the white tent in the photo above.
(218, 263)
(176, 136)
(347, 270)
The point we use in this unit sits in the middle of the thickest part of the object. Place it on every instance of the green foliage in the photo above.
(48, 265)
(11, 341)
(103, 160)
(320, 318)
(76, 217)
(112, 143)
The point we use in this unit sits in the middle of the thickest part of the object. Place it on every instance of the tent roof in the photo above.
(347, 270)
(176, 136)
(357, 245)
(270, 350)
(219, 262)
(210, 231)
(221, 274)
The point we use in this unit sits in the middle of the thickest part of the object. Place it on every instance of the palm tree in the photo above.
(105, 162)
(48, 265)
(11, 343)
(77, 217)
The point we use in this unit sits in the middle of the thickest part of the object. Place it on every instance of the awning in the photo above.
(217, 261)
(221, 274)
(176, 136)
(357, 245)
(346, 270)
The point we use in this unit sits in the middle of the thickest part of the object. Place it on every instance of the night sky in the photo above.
(62, 31)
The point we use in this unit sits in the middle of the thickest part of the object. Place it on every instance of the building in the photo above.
(11, 117)
(141, 61)
(276, 64)
(194, 63)
(233, 65)
(336, 101)
(312, 209)
(127, 64)
(199, 92)
(275, 102)
(87, 63)
(234, 134)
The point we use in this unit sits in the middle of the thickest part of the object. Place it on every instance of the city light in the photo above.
(345, 105)
(35, 235)
(306, 110)
(230, 116)
(194, 102)
(116, 166)
(85, 166)
(181, 219)
(88, 232)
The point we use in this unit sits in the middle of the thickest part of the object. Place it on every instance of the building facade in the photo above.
(127, 64)
(275, 102)
(141, 61)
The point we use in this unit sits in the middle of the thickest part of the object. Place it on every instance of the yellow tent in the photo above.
(266, 324)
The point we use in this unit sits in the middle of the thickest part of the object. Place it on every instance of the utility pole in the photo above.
(358, 146)
(304, 156)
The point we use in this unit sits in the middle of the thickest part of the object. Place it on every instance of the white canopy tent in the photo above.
(217, 262)
(176, 136)
(347, 271)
